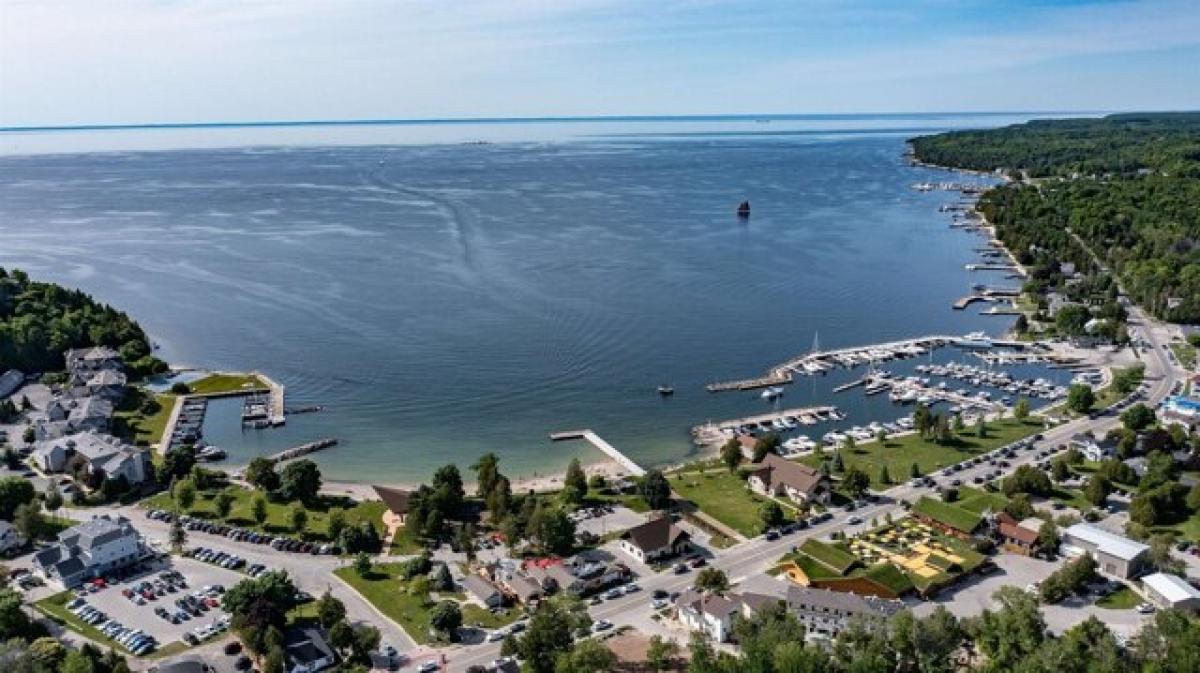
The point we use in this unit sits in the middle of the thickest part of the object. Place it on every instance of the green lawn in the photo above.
(226, 383)
(1186, 353)
(141, 428)
(278, 514)
(1071, 498)
(55, 607)
(900, 453)
(388, 592)
(1121, 599)
(1189, 529)
(722, 495)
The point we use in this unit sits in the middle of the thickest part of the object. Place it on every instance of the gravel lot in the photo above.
(620, 519)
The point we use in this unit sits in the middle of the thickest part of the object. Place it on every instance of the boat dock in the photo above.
(989, 266)
(302, 450)
(775, 421)
(817, 361)
(275, 409)
(595, 440)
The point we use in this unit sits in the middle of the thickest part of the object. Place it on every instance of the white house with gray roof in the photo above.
(92, 549)
(104, 454)
(92, 359)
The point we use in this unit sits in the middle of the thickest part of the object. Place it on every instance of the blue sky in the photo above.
(138, 61)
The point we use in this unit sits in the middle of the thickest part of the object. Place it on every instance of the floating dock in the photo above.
(595, 440)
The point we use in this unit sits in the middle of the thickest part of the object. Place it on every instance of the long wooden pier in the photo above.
(595, 440)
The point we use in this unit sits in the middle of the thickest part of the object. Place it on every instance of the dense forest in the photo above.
(40, 321)
(1127, 185)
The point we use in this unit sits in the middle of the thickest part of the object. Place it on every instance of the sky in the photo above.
(68, 62)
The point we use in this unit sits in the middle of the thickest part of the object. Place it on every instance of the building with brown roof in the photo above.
(778, 476)
(657, 538)
(396, 500)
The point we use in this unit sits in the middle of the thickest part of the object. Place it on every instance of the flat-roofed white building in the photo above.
(1171, 591)
(1115, 555)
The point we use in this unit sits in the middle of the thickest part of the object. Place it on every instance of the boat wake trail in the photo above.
(460, 219)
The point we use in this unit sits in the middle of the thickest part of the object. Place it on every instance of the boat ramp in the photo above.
(595, 440)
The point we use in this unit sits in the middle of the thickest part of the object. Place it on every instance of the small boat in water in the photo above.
(211, 453)
(772, 393)
(743, 209)
(666, 390)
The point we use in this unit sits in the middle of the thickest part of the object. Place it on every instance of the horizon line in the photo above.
(520, 120)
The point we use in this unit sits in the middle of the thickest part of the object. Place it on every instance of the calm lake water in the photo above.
(444, 299)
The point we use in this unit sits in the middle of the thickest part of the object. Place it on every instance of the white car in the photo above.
(1145, 608)
(602, 625)
(494, 636)
(428, 667)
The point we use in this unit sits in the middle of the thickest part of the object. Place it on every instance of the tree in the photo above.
(258, 509)
(259, 609)
(336, 523)
(341, 636)
(1047, 539)
(553, 529)
(1028, 479)
(1080, 398)
(48, 652)
(587, 656)
(1021, 409)
(731, 453)
(14, 492)
(550, 632)
(299, 518)
(1011, 633)
(981, 427)
(445, 618)
(177, 536)
(442, 579)
(185, 494)
(1059, 470)
(884, 477)
(712, 579)
(1070, 319)
(29, 521)
(574, 484)
(54, 499)
(260, 473)
(771, 514)
(914, 471)
(362, 564)
(223, 502)
(661, 653)
(838, 464)
(274, 662)
(1137, 417)
(655, 490)
(855, 482)
(1019, 507)
(1096, 490)
(300, 480)
(330, 610)
(177, 463)
(487, 473)
(1161, 556)
(1193, 498)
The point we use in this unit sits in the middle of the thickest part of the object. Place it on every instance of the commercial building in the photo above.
(828, 612)
(714, 614)
(656, 539)
(92, 549)
(1171, 591)
(1115, 555)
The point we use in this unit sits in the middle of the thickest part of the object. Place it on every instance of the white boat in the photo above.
(974, 340)
(772, 393)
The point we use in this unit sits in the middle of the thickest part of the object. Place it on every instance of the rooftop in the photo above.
(1172, 587)
(1106, 542)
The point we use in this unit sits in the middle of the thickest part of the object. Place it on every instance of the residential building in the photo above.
(68, 415)
(1115, 555)
(308, 651)
(108, 384)
(1015, 536)
(483, 590)
(92, 359)
(714, 614)
(578, 575)
(10, 538)
(104, 454)
(91, 549)
(778, 476)
(829, 612)
(1171, 591)
(396, 500)
(10, 382)
(655, 539)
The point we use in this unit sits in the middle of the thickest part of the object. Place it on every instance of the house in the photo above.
(483, 591)
(746, 444)
(10, 539)
(104, 454)
(92, 359)
(1115, 555)
(1090, 448)
(949, 519)
(778, 476)
(655, 539)
(714, 614)
(829, 612)
(578, 575)
(91, 549)
(308, 651)
(108, 384)
(1066, 268)
(396, 500)
(66, 415)
(1015, 536)
(1170, 591)
(10, 382)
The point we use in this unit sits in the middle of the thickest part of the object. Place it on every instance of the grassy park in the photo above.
(144, 426)
(226, 383)
(278, 514)
(722, 495)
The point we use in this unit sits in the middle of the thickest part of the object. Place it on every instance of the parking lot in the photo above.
(604, 521)
(139, 602)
